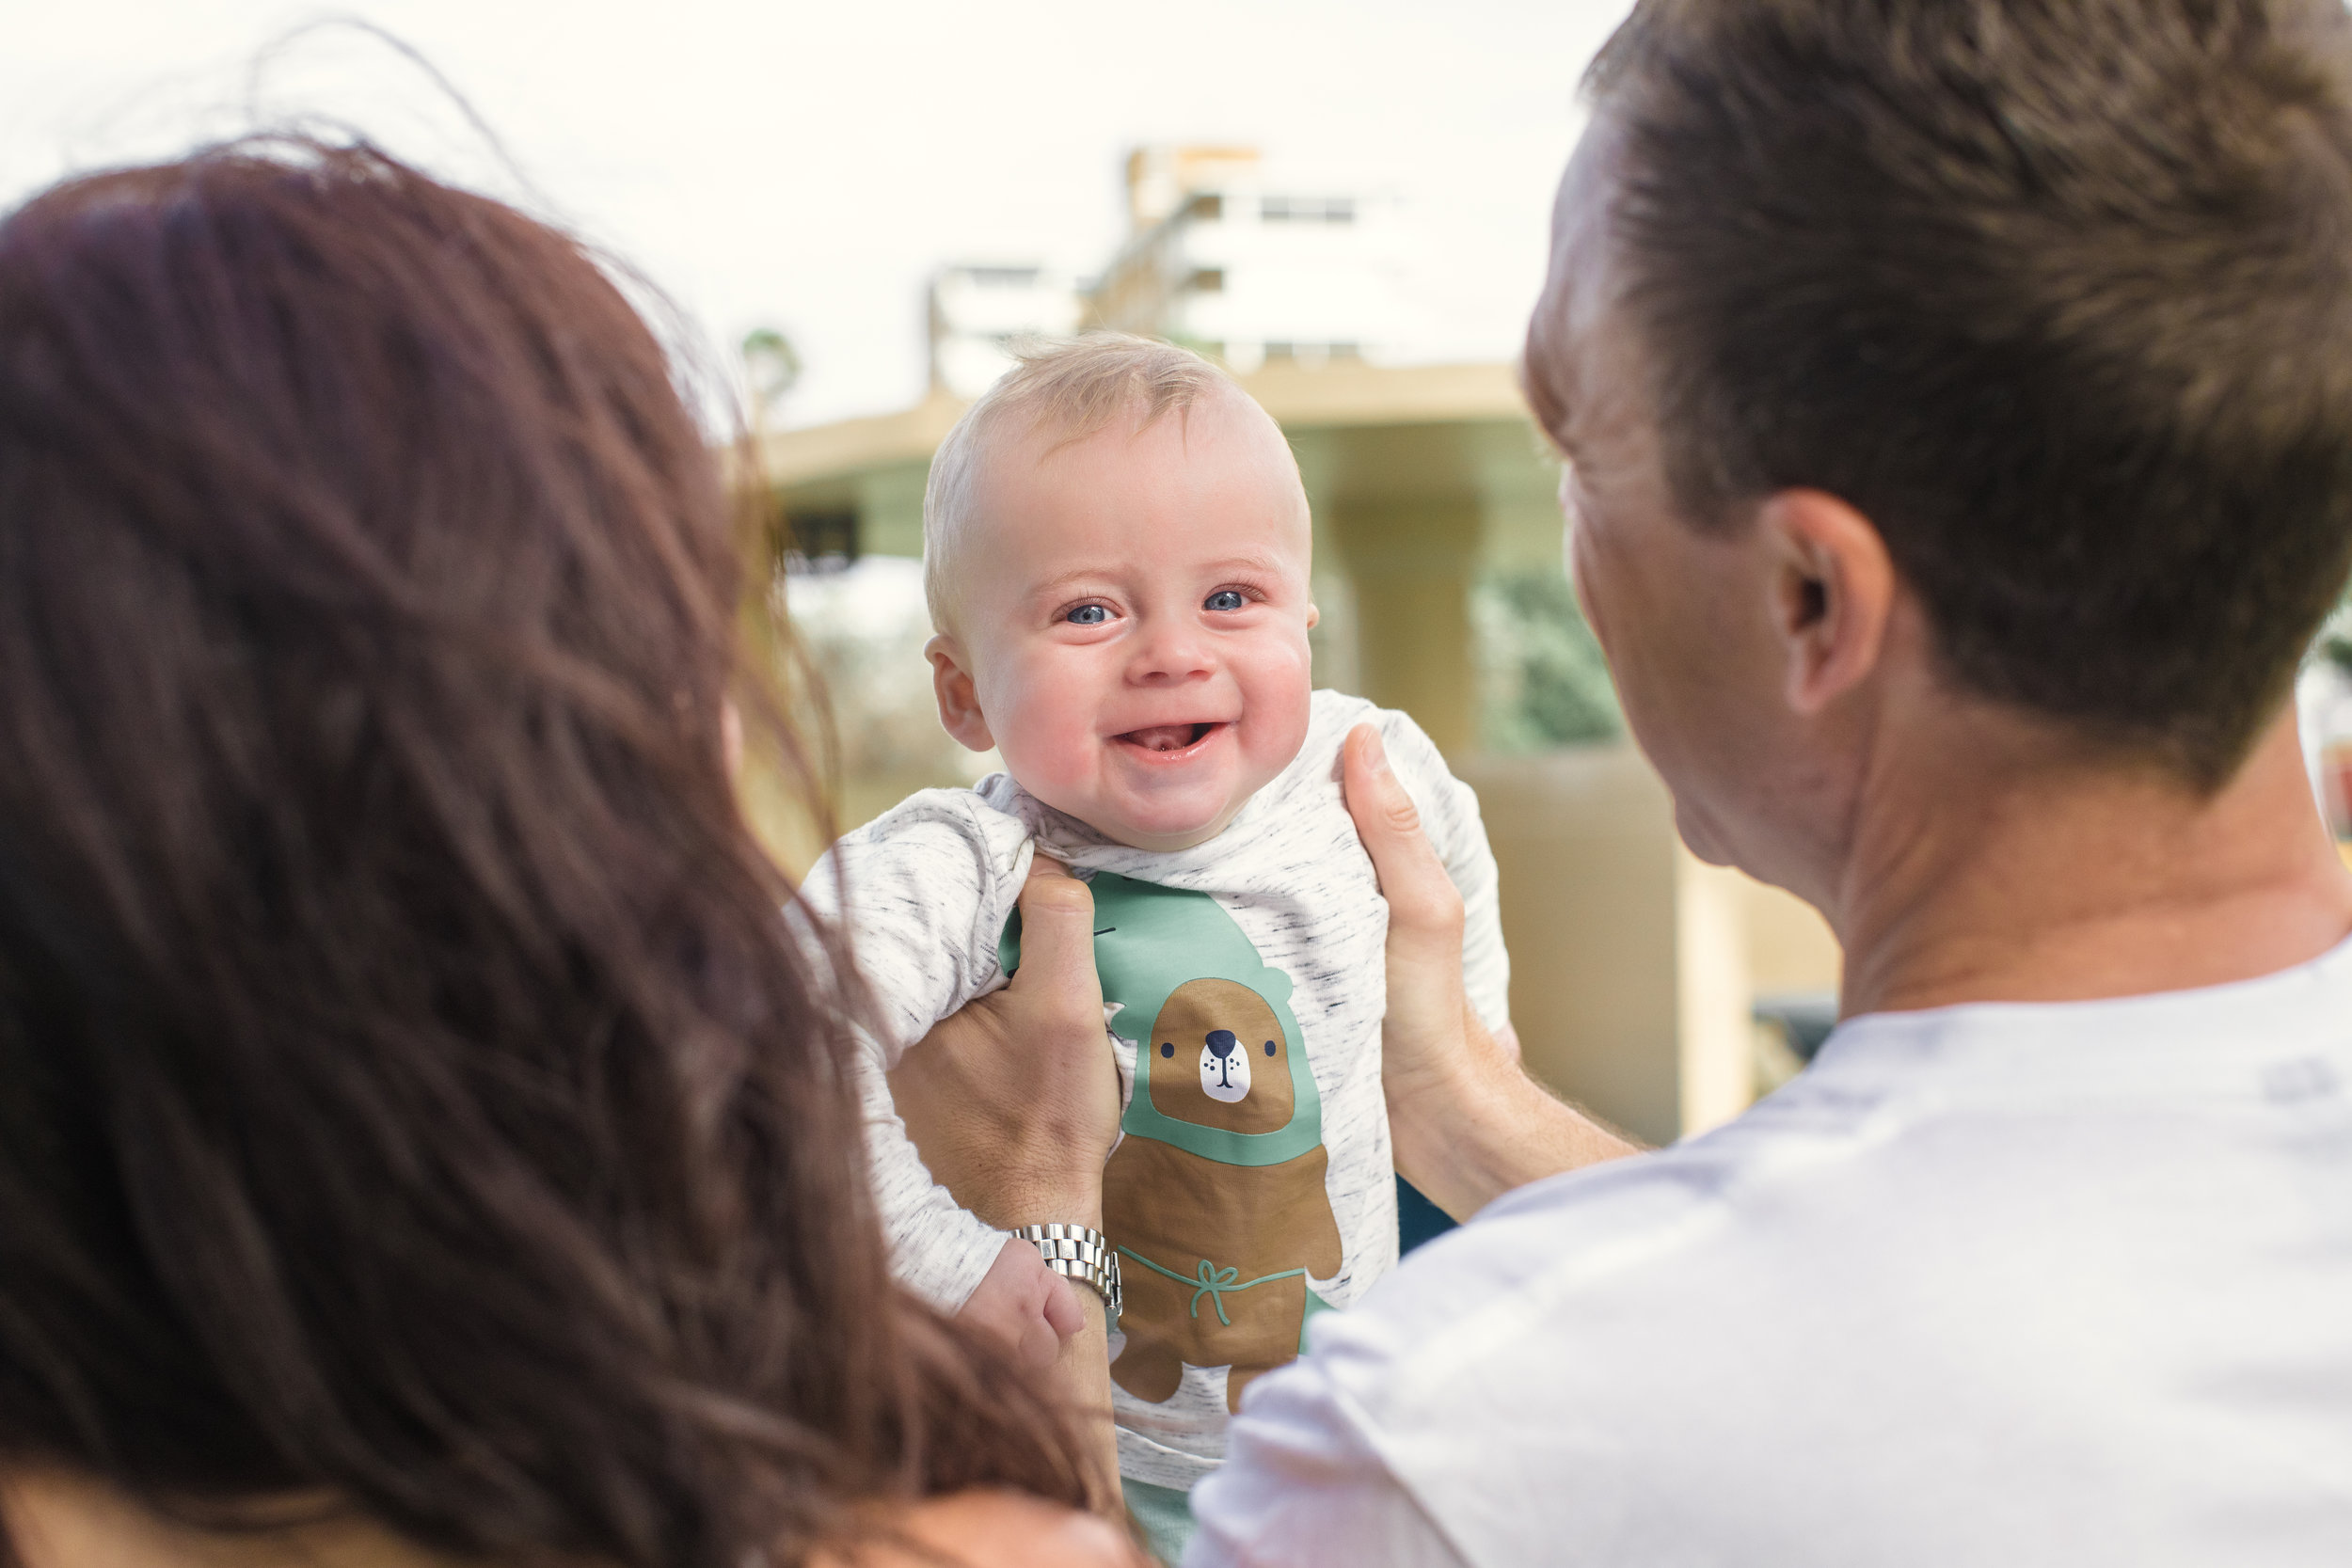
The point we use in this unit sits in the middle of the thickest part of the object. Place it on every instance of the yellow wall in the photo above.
(1634, 967)
(1410, 564)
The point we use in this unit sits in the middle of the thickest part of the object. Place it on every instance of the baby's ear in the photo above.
(959, 701)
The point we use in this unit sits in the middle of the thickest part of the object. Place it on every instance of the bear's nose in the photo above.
(1221, 1043)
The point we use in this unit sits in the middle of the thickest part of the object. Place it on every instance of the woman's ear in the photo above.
(959, 701)
(1833, 587)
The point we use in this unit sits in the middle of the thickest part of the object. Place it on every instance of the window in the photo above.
(1307, 209)
(1208, 207)
(820, 540)
(1311, 354)
(1206, 281)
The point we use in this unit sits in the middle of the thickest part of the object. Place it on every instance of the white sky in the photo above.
(805, 165)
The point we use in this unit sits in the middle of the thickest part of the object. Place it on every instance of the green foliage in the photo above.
(1543, 681)
(772, 366)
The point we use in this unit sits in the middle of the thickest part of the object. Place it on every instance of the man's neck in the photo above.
(2041, 881)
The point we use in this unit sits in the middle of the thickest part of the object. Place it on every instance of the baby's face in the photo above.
(1130, 621)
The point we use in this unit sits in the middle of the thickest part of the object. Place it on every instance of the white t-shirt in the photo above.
(929, 885)
(2065, 1283)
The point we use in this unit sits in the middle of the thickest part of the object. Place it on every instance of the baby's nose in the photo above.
(1220, 1043)
(1168, 653)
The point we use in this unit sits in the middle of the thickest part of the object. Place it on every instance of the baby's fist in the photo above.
(1027, 1304)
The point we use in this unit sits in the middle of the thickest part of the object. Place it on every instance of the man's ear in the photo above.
(1833, 587)
(958, 702)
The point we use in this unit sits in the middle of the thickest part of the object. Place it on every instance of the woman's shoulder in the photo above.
(998, 1529)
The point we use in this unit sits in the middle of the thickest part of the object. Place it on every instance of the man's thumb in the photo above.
(1057, 933)
(1377, 798)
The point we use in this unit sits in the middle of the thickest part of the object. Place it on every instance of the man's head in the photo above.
(1116, 550)
(2042, 312)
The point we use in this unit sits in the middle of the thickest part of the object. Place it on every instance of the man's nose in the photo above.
(1220, 1043)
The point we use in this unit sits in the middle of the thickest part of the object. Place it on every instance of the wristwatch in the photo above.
(1076, 1251)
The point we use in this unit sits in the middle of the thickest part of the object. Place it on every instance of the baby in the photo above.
(1115, 551)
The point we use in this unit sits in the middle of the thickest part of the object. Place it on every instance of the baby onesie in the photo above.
(1243, 985)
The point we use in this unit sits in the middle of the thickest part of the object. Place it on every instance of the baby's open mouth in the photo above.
(1167, 737)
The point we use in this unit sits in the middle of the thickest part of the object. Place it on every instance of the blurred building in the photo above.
(1248, 265)
(1252, 265)
(982, 311)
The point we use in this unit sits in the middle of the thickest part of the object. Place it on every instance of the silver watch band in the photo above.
(1079, 1253)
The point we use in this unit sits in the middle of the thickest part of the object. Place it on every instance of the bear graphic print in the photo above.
(1215, 1195)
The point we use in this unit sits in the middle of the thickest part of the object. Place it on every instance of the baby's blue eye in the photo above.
(1224, 598)
(1087, 615)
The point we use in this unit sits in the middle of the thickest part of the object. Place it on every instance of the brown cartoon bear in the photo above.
(1215, 1255)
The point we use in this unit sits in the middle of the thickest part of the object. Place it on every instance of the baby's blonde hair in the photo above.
(1074, 389)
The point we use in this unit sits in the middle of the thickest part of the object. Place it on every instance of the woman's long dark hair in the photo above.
(409, 1087)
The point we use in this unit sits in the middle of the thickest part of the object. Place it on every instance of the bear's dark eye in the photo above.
(1269, 1048)
(1166, 1049)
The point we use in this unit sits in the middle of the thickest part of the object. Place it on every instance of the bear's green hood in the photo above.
(1149, 939)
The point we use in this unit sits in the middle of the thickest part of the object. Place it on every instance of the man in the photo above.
(1957, 403)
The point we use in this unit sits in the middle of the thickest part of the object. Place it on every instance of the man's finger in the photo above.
(1412, 878)
(1058, 934)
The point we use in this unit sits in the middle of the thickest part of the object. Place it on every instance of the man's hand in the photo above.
(1468, 1124)
(1428, 1035)
(1014, 1100)
(1014, 1103)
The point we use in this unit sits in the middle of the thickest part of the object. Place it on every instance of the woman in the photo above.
(418, 1134)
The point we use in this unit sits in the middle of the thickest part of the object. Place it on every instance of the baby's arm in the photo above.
(1448, 811)
(925, 891)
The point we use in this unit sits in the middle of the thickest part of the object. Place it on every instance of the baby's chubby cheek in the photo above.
(1274, 725)
(1046, 730)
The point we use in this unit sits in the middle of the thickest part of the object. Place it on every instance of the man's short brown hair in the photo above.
(2056, 294)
